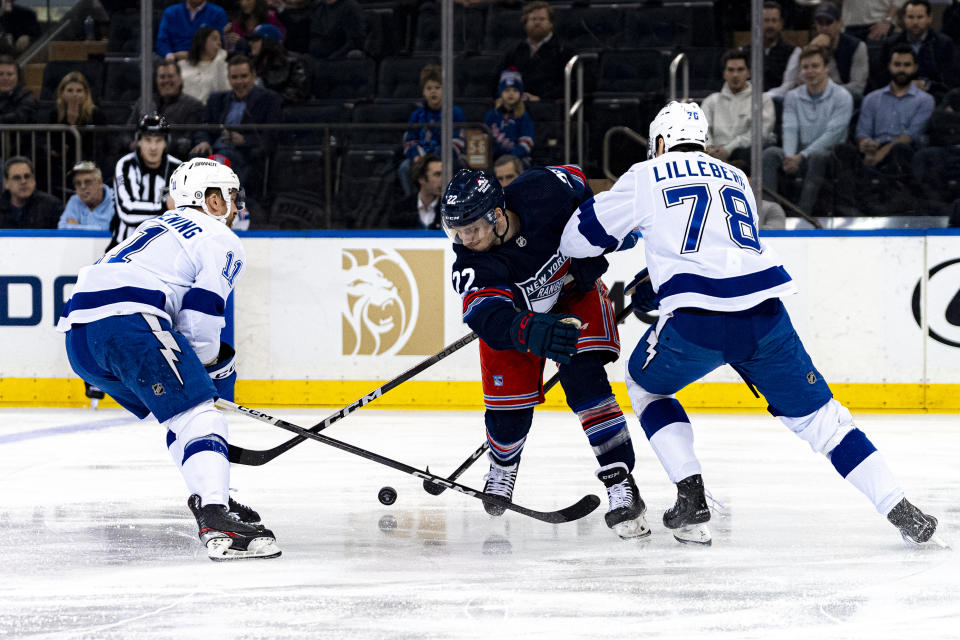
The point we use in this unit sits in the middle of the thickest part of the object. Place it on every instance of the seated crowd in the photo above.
(870, 101)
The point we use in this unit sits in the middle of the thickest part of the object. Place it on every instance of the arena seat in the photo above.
(350, 80)
(503, 30)
(476, 76)
(399, 77)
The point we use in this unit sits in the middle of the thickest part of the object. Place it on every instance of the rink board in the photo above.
(322, 319)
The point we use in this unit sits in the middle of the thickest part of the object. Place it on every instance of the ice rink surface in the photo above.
(98, 541)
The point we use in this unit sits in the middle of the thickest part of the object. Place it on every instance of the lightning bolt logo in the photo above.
(170, 348)
(651, 348)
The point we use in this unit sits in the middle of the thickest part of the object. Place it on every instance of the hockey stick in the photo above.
(437, 489)
(254, 457)
(575, 511)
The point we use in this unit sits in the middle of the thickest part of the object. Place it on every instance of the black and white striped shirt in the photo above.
(137, 190)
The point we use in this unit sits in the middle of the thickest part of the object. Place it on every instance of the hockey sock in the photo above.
(606, 430)
(507, 432)
(668, 429)
(857, 460)
(199, 436)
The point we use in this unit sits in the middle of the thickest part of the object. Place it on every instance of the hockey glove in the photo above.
(586, 271)
(629, 241)
(548, 335)
(641, 294)
(223, 372)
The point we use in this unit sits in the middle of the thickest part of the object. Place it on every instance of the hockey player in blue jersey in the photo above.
(143, 324)
(528, 303)
(717, 287)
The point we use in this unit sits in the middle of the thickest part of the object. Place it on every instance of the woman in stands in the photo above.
(252, 14)
(75, 106)
(205, 69)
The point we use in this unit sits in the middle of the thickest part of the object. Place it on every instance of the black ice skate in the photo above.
(915, 526)
(689, 515)
(625, 515)
(243, 513)
(499, 481)
(228, 538)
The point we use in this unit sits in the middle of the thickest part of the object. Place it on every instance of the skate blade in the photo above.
(935, 542)
(693, 534)
(218, 549)
(632, 529)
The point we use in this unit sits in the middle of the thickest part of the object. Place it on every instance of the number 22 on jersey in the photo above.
(740, 220)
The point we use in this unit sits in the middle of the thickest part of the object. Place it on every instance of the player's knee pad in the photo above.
(507, 431)
(655, 411)
(584, 379)
(200, 428)
(823, 429)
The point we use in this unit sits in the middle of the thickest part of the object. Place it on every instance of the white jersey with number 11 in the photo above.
(698, 219)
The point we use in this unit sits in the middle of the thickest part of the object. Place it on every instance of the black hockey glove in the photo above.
(223, 371)
(548, 335)
(586, 271)
(641, 294)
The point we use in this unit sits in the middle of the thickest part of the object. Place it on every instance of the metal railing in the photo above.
(681, 58)
(38, 142)
(571, 107)
(612, 131)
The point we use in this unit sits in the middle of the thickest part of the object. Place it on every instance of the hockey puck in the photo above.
(387, 495)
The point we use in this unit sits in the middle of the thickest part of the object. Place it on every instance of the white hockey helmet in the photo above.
(678, 123)
(190, 182)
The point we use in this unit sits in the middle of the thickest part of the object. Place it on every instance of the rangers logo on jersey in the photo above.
(541, 291)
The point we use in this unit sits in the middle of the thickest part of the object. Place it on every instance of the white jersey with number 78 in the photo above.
(698, 219)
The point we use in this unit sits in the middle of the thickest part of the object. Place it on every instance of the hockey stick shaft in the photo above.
(437, 489)
(254, 457)
(575, 511)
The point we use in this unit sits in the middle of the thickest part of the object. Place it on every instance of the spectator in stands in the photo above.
(937, 167)
(422, 140)
(18, 25)
(252, 14)
(21, 205)
(204, 70)
(17, 104)
(75, 107)
(181, 21)
(176, 107)
(729, 112)
(421, 209)
(337, 30)
(540, 58)
(296, 16)
(141, 179)
(507, 168)
(869, 19)
(936, 73)
(278, 69)
(894, 118)
(91, 207)
(815, 119)
(510, 125)
(244, 104)
(850, 64)
(780, 60)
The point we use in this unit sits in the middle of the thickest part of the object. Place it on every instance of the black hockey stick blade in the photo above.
(434, 489)
(255, 457)
(581, 508)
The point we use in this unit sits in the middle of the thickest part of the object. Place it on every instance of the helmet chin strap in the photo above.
(506, 229)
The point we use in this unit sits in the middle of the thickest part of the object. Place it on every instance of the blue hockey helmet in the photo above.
(471, 195)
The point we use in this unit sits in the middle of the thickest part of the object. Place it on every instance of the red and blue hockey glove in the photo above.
(223, 371)
(642, 297)
(548, 335)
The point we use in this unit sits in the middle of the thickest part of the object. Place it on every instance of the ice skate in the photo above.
(689, 515)
(243, 513)
(226, 537)
(499, 481)
(625, 515)
(915, 526)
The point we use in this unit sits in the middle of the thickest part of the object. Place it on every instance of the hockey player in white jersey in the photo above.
(143, 324)
(718, 288)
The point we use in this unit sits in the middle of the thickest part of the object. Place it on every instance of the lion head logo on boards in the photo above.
(394, 301)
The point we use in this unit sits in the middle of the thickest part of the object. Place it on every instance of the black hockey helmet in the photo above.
(471, 195)
(153, 124)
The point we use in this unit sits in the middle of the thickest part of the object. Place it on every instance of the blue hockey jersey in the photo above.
(527, 272)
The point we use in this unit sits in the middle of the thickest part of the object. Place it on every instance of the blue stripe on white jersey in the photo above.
(203, 301)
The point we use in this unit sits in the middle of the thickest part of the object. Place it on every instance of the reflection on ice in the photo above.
(99, 542)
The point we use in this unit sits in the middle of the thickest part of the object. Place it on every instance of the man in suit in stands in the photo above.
(17, 104)
(177, 107)
(21, 205)
(420, 210)
(244, 104)
(936, 72)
